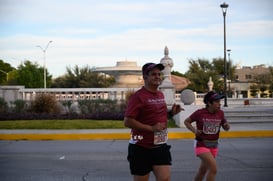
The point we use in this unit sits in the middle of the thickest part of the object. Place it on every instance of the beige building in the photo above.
(244, 79)
(247, 73)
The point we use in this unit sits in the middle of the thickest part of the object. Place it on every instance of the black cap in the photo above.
(149, 66)
(212, 96)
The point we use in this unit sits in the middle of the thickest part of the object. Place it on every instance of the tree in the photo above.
(265, 82)
(265, 78)
(254, 90)
(201, 69)
(44, 103)
(199, 73)
(5, 69)
(270, 88)
(262, 78)
(177, 73)
(32, 75)
(82, 78)
(263, 88)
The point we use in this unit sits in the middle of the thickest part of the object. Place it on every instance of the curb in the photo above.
(126, 136)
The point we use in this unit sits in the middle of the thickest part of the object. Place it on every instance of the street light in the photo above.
(224, 7)
(44, 53)
(229, 64)
(229, 76)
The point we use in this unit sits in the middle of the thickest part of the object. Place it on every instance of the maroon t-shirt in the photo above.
(148, 108)
(209, 123)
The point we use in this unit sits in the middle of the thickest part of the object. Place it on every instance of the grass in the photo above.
(61, 124)
(66, 124)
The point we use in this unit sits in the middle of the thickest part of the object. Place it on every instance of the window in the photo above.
(247, 76)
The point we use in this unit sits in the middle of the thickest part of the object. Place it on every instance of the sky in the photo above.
(99, 33)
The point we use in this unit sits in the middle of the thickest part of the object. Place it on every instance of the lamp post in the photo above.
(229, 63)
(229, 76)
(44, 54)
(224, 7)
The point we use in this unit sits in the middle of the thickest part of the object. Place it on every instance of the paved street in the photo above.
(242, 159)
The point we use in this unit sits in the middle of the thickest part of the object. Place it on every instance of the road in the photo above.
(242, 159)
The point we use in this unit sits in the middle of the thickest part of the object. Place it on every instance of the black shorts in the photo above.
(143, 159)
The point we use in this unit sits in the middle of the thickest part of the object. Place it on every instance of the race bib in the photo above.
(211, 128)
(160, 137)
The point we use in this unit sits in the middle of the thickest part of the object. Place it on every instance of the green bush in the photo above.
(20, 106)
(67, 105)
(263, 88)
(99, 106)
(3, 105)
(254, 90)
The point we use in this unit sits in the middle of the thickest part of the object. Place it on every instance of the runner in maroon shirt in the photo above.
(147, 116)
(208, 120)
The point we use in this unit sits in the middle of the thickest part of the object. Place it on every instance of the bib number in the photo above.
(211, 128)
(160, 137)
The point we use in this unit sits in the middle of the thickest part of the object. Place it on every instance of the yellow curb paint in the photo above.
(245, 134)
(180, 135)
(224, 134)
(126, 136)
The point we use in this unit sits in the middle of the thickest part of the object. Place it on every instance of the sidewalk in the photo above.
(237, 131)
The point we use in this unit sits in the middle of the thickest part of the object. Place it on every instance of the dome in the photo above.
(126, 64)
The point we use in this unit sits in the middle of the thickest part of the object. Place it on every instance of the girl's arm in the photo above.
(188, 124)
(226, 126)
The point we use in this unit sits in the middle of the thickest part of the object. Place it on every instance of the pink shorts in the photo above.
(200, 150)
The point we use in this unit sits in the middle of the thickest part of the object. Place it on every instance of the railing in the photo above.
(12, 93)
(78, 93)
